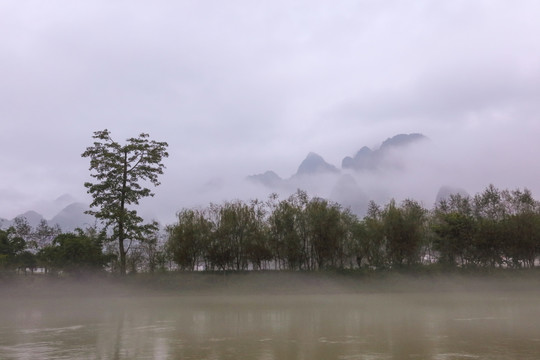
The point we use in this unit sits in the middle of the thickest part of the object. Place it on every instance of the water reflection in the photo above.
(384, 326)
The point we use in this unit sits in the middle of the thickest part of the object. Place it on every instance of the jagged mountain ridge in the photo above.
(365, 159)
(321, 178)
(315, 164)
(69, 218)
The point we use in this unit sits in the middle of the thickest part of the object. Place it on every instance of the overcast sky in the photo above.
(240, 87)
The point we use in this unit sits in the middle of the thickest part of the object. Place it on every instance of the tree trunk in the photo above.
(122, 252)
(121, 230)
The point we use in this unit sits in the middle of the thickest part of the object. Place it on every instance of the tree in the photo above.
(11, 246)
(404, 231)
(454, 227)
(235, 229)
(188, 239)
(285, 240)
(120, 172)
(326, 232)
(75, 252)
(374, 245)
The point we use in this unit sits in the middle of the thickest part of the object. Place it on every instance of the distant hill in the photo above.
(401, 140)
(367, 159)
(72, 217)
(315, 164)
(69, 218)
(317, 176)
(348, 194)
(32, 217)
(269, 179)
(312, 165)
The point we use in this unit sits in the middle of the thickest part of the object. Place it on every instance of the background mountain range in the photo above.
(318, 176)
(370, 174)
(365, 159)
(70, 217)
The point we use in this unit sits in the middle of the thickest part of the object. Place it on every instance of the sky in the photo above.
(240, 87)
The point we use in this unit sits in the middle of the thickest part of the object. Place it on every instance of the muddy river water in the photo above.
(451, 325)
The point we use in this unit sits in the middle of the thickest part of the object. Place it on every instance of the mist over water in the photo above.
(490, 324)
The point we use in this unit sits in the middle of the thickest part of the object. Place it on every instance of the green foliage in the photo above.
(120, 171)
(287, 232)
(454, 226)
(189, 238)
(404, 229)
(13, 253)
(75, 253)
(494, 229)
(371, 230)
(326, 232)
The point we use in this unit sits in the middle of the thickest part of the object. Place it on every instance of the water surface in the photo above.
(457, 325)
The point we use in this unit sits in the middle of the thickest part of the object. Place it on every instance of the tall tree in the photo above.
(120, 172)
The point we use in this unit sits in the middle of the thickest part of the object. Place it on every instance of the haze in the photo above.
(237, 88)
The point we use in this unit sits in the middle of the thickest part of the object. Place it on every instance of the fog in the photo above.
(471, 160)
(240, 88)
(272, 316)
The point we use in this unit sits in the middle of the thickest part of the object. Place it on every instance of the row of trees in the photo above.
(24, 248)
(492, 229)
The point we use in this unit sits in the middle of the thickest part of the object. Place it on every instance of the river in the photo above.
(429, 325)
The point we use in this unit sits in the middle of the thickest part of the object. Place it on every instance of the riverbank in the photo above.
(269, 282)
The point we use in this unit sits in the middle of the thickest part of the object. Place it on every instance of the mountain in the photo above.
(348, 193)
(364, 159)
(312, 165)
(315, 164)
(72, 217)
(69, 218)
(269, 179)
(32, 217)
(367, 159)
(401, 140)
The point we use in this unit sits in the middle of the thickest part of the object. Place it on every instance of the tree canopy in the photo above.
(121, 173)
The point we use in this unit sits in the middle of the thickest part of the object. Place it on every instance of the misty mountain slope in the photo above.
(401, 140)
(363, 159)
(367, 159)
(69, 218)
(72, 217)
(269, 179)
(393, 170)
(32, 217)
(315, 164)
(348, 194)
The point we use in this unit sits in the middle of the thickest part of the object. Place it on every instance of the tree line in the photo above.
(495, 228)
(491, 229)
